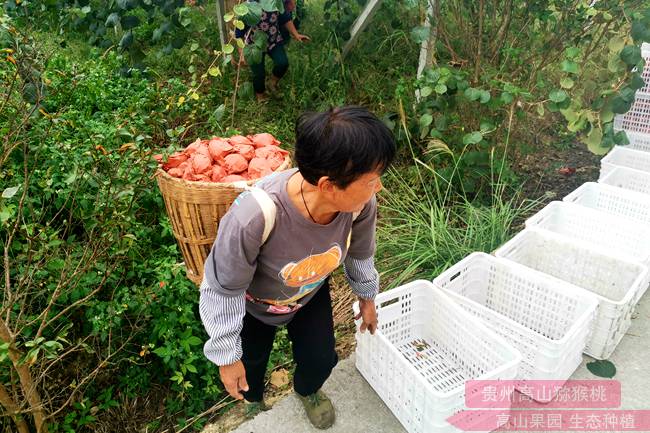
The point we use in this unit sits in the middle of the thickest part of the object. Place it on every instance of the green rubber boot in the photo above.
(319, 409)
(253, 408)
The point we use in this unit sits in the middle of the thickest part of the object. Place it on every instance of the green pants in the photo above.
(280, 66)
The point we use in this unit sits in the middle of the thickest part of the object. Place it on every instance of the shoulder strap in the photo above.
(269, 209)
(266, 203)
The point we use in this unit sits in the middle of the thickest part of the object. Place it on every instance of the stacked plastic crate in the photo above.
(567, 284)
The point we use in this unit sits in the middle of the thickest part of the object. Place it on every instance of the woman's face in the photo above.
(355, 196)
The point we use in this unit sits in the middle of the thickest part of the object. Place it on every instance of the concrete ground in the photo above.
(359, 409)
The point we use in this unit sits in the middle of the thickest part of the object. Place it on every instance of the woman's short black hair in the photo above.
(342, 143)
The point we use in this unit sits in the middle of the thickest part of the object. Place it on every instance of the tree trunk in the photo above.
(12, 409)
(26, 382)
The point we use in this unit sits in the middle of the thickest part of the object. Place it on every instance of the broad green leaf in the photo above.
(440, 88)
(602, 368)
(640, 31)
(485, 96)
(194, 341)
(486, 127)
(506, 97)
(112, 20)
(570, 114)
(239, 24)
(472, 137)
(191, 368)
(594, 141)
(214, 71)
(615, 65)
(631, 55)
(130, 21)
(472, 93)
(607, 115)
(426, 120)
(228, 17)
(426, 91)
(567, 83)
(616, 44)
(219, 112)
(540, 109)
(620, 105)
(157, 34)
(272, 5)
(577, 124)
(636, 82)
(570, 67)
(228, 49)
(127, 40)
(240, 9)
(572, 52)
(10, 192)
(557, 95)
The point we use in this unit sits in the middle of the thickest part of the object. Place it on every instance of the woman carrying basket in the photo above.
(256, 280)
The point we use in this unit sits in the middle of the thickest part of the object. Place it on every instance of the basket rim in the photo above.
(162, 173)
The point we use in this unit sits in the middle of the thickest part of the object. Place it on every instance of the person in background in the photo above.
(277, 26)
(326, 217)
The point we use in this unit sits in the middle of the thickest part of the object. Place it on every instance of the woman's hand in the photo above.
(233, 377)
(301, 38)
(368, 313)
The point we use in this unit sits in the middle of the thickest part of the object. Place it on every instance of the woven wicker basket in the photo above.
(195, 209)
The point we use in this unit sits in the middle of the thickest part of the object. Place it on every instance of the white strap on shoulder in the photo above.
(266, 203)
(355, 215)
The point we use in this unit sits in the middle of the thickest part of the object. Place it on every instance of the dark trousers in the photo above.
(311, 332)
(280, 66)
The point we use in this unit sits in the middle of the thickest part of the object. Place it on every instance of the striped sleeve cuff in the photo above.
(222, 317)
(362, 276)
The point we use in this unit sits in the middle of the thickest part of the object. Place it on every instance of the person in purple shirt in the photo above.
(274, 24)
(253, 283)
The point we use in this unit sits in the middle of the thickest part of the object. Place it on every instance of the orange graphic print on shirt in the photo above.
(306, 275)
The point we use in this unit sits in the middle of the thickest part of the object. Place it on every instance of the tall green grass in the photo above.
(425, 225)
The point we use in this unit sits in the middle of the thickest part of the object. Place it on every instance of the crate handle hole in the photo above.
(453, 277)
(389, 302)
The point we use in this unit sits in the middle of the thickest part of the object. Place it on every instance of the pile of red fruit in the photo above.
(226, 159)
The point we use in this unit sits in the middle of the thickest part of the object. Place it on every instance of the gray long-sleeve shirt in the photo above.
(273, 280)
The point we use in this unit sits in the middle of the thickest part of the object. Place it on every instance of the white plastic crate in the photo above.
(616, 201)
(622, 156)
(628, 178)
(616, 283)
(637, 118)
(424, 351)
(638, 140)
(546, 319)
(601, 230)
